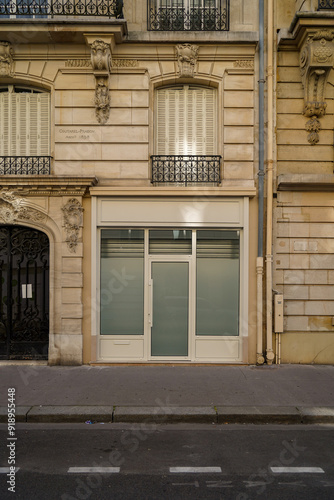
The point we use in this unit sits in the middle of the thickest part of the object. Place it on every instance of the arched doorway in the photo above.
(24, 299)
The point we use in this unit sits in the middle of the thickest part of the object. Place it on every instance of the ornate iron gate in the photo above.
(24, 299)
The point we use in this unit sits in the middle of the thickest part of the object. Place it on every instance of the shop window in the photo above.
(217, 287)
(122, 282)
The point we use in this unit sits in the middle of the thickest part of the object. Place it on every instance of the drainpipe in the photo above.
(270, 159)
(259, 261)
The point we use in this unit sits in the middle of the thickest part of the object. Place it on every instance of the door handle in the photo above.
(150, 284)
(27, 291)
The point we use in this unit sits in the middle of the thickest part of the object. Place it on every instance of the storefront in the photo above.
(170, 279)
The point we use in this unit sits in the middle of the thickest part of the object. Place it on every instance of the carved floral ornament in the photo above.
(6, 59)
(73, 221)
(14, 209)
(316, 62)
(187, 55)
(101, 63)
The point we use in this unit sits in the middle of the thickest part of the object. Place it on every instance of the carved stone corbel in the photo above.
(101, 63)
(6, 59)
(73, 221)
(316, 61)
(187, 58)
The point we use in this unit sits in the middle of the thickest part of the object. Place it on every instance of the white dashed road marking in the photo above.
(95, 470)
(183, 470)
(297, 470)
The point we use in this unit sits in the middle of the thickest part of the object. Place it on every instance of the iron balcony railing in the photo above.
(325, 4)
(186, 169)
(50, 8)
(189, 15)
(25, 165)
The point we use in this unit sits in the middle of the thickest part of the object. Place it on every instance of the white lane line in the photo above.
(194, 469)
(298, 470)
(95, 470)
(6, 470)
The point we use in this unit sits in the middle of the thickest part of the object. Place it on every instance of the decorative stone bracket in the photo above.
(6, 59)
(73, 221)
(101, 49)
(187, 58)
(316, 61)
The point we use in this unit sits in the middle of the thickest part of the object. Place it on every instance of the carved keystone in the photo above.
(187, 58)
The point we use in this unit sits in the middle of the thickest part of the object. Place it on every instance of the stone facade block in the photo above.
(315, 277)
(296, 323)
(324, 292)
(241, 116)
(294, 307)
(321, 261)
(293, 276)
(72, 295)
(72, 280)
(300, 261)
(319, 308)
(71, 311)
(71, 326)
(296, 292)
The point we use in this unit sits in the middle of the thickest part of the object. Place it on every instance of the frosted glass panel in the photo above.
(122, 282)
(217, 298)
(170, 309)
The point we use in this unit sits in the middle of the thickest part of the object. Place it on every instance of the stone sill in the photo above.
(305, 182)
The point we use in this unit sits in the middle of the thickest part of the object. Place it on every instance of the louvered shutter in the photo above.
(185, 121)
(4, 122)
(43, 131)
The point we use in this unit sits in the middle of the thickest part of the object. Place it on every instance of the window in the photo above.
(122, 282)
(24, 122)
(186, 121)
(217, 287)
(191, 15)
(186, 136)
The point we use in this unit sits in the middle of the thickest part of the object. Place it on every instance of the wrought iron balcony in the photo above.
(25, 165)
(325, 4)
(190, 15)
(50, 8)
(186, 169)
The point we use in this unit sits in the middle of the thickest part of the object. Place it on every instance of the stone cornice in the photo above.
(305, 182)
(304, 24)
(36, 185)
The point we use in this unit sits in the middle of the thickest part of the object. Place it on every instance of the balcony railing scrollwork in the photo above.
(189, 15)
(186, 169)
(25, 165)
(325, 4)
(50, 8)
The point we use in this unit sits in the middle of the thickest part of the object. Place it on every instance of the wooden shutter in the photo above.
(25, 124)
(185, 121)
(4, 122)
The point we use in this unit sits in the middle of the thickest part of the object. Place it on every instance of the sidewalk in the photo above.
(216, 394)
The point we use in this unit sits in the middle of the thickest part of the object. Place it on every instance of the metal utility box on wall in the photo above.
(278, 320)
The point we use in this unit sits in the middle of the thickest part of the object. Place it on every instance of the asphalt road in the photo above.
(137, 462)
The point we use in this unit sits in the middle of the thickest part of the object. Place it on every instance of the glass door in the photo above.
(169, 308)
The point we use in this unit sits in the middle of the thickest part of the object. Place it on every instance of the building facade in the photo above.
(136, 172)
(303, 203)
